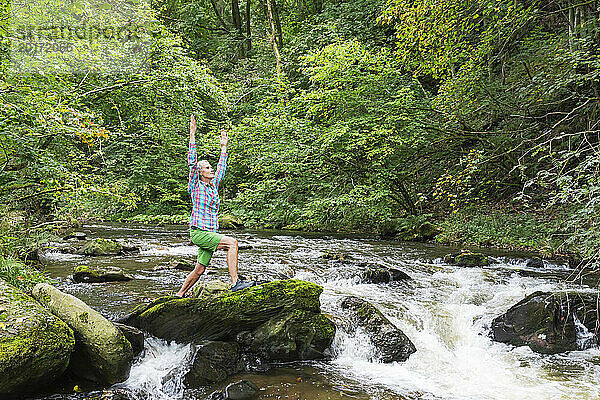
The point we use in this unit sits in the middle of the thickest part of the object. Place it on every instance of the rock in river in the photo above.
(391, 343)
(102, 354)
(550, 322)
(467, 258)
(87, 274)
(213, 362)
(35, 346)
(101, 247)
(280, 320)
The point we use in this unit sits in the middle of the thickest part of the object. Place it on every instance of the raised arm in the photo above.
(222, 165)
(192, 157)
(192, 150)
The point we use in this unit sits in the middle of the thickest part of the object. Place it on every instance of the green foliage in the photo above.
(503, 228)
(21, 276)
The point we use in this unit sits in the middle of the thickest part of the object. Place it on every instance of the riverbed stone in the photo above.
(381, 274)
(88, 274)
(467, 258)
(390, 342)
(134, 336)
(213, 362)
(102, 353)
(546, 322)
(280, 320)
(35, 345)
(100, 247)
(229, 221)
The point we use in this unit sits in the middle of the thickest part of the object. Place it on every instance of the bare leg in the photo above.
(191, 279)
(231, 245)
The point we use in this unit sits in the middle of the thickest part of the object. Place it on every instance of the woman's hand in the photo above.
(223, 140)
(192, 129)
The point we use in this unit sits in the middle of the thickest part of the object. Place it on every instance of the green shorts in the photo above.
(207, 243)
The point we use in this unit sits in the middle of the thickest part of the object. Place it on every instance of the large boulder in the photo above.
(87, 274)
(550, 322)
(279, 320)
(391, 343)
(101, 247)
(102, 353)
(213, 362)
(35, 346)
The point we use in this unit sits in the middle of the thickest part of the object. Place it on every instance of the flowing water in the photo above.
(445, 310)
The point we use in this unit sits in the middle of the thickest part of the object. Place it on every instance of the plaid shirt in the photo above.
(205, 196)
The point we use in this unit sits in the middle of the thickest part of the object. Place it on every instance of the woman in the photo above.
(203, 186)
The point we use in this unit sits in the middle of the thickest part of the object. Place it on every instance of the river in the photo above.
(445, 310)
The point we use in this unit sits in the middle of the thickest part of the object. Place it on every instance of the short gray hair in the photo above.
(199, 164)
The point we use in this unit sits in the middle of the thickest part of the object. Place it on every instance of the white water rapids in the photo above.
(445, 310)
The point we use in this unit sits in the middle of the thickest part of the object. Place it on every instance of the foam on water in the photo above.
(158, 375)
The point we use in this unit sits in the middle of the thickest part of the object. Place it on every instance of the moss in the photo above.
(83, 317)
(38, 347)
(99, 247)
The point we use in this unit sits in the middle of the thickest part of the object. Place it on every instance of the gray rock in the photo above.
(102, 353)
(87, 274)
(241, 390)
(213, 362)
(390, 342)
(535, 263)
(547, 322)
(35, 345)
(100, 247)
(134, 336)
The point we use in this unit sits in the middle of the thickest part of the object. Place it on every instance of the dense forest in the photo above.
(479, 118)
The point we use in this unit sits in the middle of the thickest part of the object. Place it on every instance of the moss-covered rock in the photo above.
(35, 346)
(391, 343)
(467, 258)
(550, 322)
(229, 221)
(279, 320)
(87, 274)
(100, 247)
(102, 354)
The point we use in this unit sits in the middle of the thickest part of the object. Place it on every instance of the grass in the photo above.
(20, 275)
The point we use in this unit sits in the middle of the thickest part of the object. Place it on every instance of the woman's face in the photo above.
(206, 170)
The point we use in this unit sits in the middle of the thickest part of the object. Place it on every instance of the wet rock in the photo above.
(334, 255)
(178, 265)
(229, 221)
(283, 318)
(547, 322)
(130, 249)
(101, 247)
(213, 362)
(133, 336)
(102, 354)
(467, 258)
(35, 345)
(390, 342)
(380, 274)
(241, 390)
(87, 274)
(535, 263)
(76, 235)
(245, 246)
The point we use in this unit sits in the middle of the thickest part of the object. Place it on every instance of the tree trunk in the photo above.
(248, 32)
(277, 24)
(273, 38)
(237, 22)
